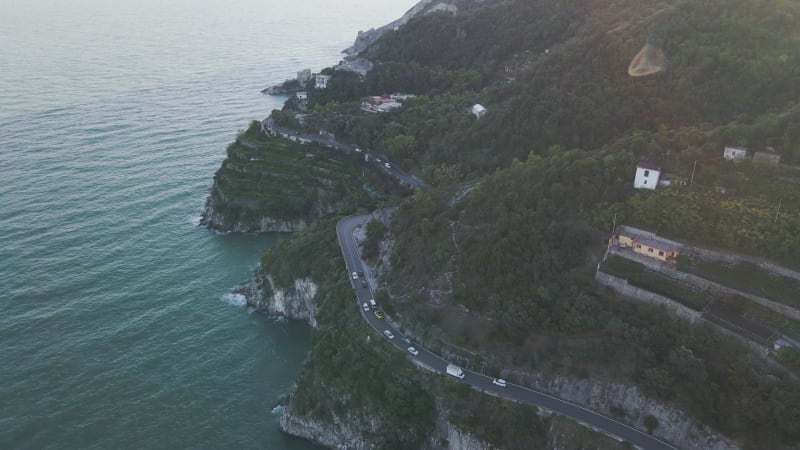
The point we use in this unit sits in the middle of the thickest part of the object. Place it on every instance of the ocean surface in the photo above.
(118, 328)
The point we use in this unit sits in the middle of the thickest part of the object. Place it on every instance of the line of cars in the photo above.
(452, 369)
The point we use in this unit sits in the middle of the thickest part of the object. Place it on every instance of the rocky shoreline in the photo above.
(215, 220)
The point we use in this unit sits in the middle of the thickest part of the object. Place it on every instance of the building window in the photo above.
(660, 253)
(650, 250)
(638, 245)
(647, 174)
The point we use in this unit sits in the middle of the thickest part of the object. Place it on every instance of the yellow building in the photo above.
(648, 244)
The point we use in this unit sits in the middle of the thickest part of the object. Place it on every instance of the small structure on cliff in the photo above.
(647, 244)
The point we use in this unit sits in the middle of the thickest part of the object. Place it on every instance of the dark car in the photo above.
(363, 282)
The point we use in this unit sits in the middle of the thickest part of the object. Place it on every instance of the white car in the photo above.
(388, 334)
(366, 307)
(413, 351)
(500, 382)
(387, 165)
(355, 275)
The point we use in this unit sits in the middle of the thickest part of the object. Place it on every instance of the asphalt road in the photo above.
(352, 258)
(380, 160)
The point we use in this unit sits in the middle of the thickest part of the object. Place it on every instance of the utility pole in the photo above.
(778, 211)
(691, 180)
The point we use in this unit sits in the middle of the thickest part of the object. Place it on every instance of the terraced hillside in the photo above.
(273, 184)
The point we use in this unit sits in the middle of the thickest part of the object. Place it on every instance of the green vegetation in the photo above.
(289, 181)
(747, 277)
(376, 231)
(519, 204)
(764, 315)
(790, 356)
(524, 267)
(345, 374)
(638, 275)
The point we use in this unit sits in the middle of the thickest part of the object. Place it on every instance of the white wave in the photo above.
(234, 299)
(278, 409)
(195, 221)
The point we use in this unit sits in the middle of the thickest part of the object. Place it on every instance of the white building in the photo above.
(647, 176)
(321, 81)
(478, 110)
(734, 153)
(302, 95)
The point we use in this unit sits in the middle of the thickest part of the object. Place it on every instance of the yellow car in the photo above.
(378, 314)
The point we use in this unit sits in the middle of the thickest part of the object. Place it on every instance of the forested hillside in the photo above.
(494, 260)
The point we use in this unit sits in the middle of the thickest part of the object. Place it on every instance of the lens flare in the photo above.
(648, 61)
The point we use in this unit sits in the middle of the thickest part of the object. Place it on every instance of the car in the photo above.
(378, 314)
(388, 334)
(355, 275)
(366, 307)
(387, 165)
(358, 150)
(413, 351)
(500, 382)
(363, 282)
(407, 339)
(361, 273)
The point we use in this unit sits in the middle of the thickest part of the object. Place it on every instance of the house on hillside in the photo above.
(648, 244)
(734, 154)
(647, 176)
(377, 104)
(302, 95)
(478, 110)
(321, 81)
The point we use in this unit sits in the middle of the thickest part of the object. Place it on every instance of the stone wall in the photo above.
(623, 287)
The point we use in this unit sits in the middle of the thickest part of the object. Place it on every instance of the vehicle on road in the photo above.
(361, 273)
(363, 282)
(455, 371)
(413, 351)
(500, 382)
(355, 275)
(388, 334)
(358, 150)
(372, 303)
(366, 307)
(387, 165)
(378, 314)
(407, 339)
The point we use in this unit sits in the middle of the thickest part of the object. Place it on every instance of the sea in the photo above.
(119, 327)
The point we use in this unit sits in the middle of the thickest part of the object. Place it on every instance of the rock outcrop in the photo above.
(296, 302)
(216, 220)
(336, 433)
(673, 425)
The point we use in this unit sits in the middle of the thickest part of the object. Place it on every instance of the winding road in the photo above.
(268, 126)
(344, 231)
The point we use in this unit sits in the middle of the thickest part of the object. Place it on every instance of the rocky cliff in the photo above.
(296, 302)
(214, 218)
(334, 433)
(614, 399)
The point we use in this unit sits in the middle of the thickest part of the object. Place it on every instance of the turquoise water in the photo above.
(118, 328)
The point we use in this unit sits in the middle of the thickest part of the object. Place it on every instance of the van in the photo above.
(372, 303)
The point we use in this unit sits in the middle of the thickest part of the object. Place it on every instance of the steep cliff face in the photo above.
(334, 433)
(296, 302)
(610, 398)
(214, 218)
